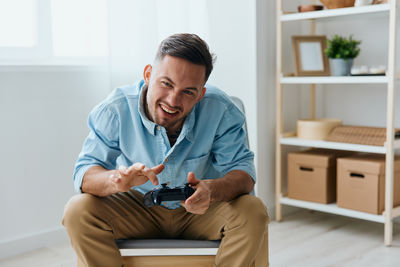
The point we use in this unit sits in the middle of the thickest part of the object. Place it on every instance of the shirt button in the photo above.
(159, 128)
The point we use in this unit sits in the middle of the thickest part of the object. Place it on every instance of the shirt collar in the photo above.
(150, 126)
(187, 128)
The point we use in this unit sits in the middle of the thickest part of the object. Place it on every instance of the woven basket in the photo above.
(330, 4)
(360, 135)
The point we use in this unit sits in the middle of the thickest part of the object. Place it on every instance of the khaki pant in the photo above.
(93, 223)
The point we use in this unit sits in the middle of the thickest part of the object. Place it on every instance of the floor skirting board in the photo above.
(287, 210)
(26, 243)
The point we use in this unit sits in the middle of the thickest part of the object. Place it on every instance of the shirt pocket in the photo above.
(198, 165)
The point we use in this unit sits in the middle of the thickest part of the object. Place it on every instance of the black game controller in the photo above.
(164, 193)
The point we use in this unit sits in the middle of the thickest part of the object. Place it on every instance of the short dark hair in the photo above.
(187, 46)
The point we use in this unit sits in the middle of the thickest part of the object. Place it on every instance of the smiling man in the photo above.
(166, 103)
(172, 128)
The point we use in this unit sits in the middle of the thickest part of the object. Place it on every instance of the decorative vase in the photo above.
(341, 67)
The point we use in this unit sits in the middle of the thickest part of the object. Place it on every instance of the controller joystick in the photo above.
(164, 193)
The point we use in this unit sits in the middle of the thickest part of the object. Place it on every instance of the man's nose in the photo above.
(174, 98)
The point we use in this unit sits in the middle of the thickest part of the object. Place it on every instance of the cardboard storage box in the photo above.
(361, 183)
(312, 175)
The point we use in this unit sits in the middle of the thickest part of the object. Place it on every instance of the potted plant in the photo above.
(342, 51)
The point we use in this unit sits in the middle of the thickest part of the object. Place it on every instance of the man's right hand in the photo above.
(125, 178)
(101, 182)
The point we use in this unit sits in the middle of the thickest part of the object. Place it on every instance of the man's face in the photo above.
(175, 85)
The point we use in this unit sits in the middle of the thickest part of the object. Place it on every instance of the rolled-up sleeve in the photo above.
(101, 147)
(230, 151)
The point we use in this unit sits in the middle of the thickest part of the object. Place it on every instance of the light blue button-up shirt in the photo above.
(211, 144)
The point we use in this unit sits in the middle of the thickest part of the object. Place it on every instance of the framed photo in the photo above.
(309, 56)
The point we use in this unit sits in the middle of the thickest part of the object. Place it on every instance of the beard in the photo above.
(159, 116)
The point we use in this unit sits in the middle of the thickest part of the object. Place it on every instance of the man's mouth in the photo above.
(168, 109)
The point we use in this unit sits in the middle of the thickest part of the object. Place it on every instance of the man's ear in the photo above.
(147, 73)
(202, 93)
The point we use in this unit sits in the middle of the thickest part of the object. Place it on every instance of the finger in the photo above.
(157, 169)
(196, 209)
(195, 202)
(200, 208)
(193, 199)
(188, 207)
(123, 169)
(150, 175)
(138, 166)
(115, 178)
(192, 179)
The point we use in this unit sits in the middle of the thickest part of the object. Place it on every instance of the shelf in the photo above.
(336, 12)
(294, 141)
(335, 80)
(332, 208)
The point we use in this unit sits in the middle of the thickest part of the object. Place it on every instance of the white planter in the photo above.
(341, 67)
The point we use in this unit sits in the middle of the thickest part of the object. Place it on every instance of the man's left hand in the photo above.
(199, 202)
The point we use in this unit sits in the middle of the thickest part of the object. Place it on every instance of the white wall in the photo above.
(43, 114)
(233, 39)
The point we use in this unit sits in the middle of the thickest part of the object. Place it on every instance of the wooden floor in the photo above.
(304, 238)
(311, 238)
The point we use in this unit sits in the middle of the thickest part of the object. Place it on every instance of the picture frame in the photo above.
(309, 56)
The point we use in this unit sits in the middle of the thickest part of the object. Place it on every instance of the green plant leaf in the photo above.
(342, 47)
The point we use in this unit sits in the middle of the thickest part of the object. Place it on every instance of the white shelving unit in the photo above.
(285, 139)
(294, 141)
(332, 208)
(335, 80)
(338, 12)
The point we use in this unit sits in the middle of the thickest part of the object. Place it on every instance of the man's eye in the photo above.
(188, 92)
(166, 84)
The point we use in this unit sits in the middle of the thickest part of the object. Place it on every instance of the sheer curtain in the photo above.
(136, 28)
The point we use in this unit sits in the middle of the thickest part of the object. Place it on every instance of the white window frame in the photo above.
(42, 53)
(43, 48)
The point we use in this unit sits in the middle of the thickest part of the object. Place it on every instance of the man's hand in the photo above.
(137, 174)
(199, 202)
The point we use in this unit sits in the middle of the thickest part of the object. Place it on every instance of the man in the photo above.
(167, 128)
